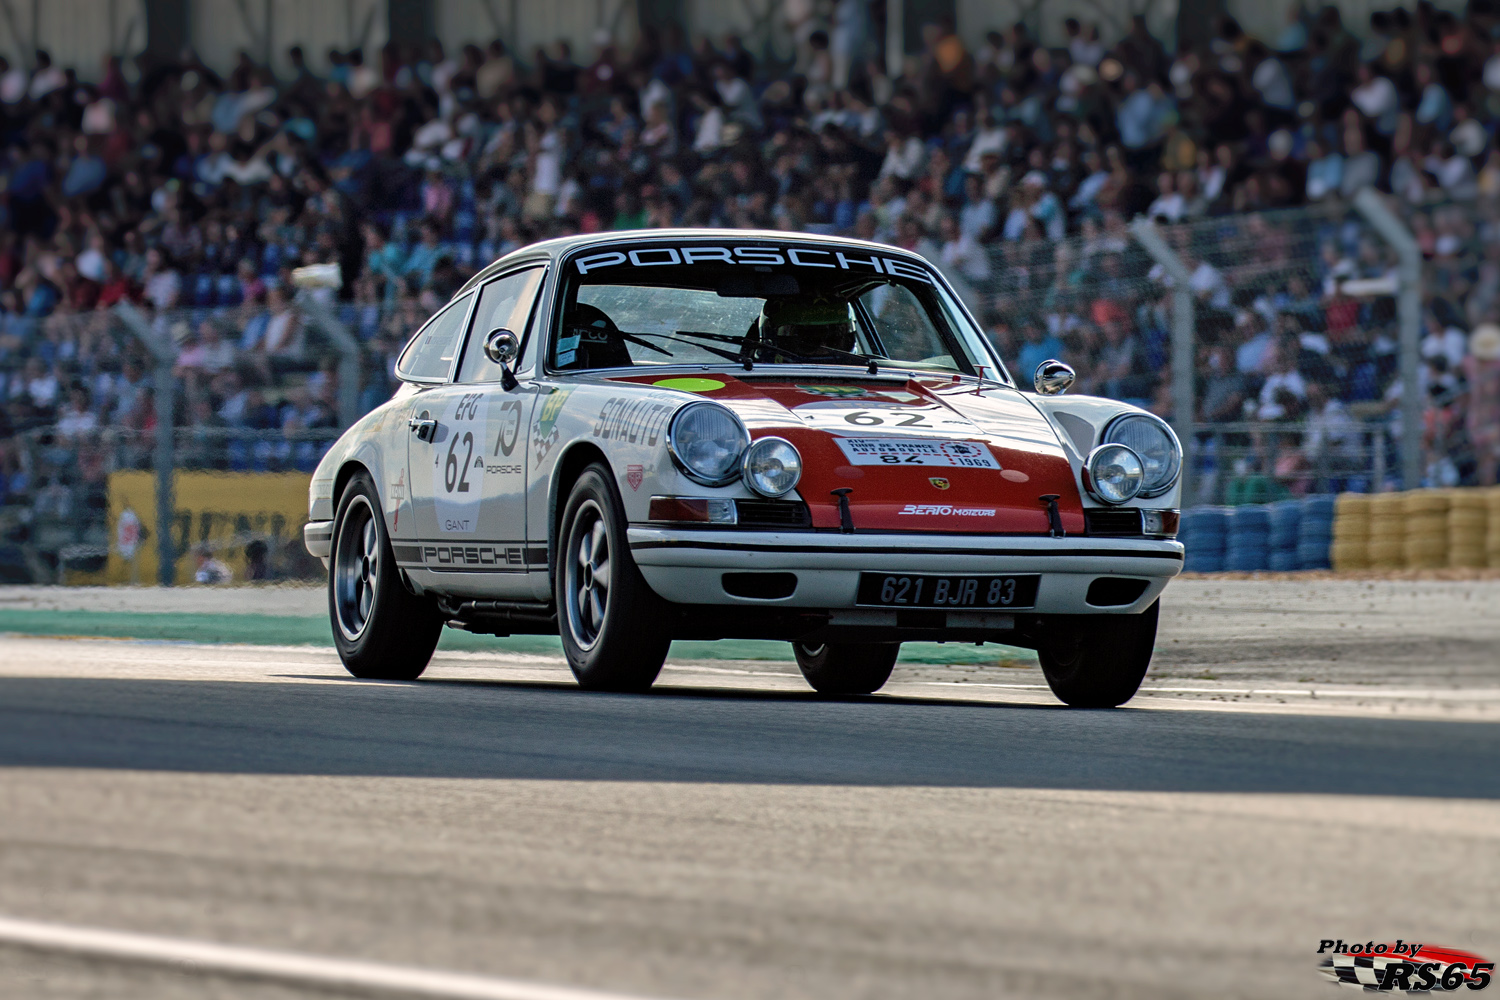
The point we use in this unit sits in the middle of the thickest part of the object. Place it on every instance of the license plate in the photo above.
(917, 451)
(911, 590)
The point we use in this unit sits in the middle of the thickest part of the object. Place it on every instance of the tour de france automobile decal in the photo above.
(458, 465)
(917, 451)
(1402, 967)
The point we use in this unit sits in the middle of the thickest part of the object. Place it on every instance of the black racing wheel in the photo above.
(608, 617)
(382, 630)
(846, 667)
(1098, 661)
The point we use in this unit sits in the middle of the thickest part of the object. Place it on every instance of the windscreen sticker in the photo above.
(658, 256)
(917, 451)
(691, 384)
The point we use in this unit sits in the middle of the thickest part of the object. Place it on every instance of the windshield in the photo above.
(712, 305)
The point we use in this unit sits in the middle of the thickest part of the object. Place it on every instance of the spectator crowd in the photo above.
(191, 192)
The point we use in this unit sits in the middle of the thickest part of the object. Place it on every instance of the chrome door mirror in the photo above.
(502, 347)
(1053, 378)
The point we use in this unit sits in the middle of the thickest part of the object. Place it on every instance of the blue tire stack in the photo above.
(1315, 532)
(1203, 534)
(1285, 517)
(1249, 539)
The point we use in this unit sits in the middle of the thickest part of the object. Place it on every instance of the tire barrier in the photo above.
(1249, 539)
(1315, 532)
(1285, 519)
(1425, 536)
(1468, 528)
(1202, 534)
(1492, 533)
(1351, 532)
(1417, 529)
(1387, 532)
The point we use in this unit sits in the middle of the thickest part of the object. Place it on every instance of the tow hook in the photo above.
(1054, 518)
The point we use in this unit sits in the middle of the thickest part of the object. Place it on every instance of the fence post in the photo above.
(1409, 316)
(1184, 337)
(350, 354)
(164, 353)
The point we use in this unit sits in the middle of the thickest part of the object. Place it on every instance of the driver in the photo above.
(808, 328)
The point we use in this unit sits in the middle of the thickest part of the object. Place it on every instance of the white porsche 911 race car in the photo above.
(631, 438)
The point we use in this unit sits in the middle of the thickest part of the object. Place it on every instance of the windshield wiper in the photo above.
(633, 339)
(868, 361)
(691, 343)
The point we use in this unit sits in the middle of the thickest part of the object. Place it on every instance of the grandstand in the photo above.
(154, 212)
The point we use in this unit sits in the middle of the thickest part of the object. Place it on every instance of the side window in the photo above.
(430, 354)
(505, 302)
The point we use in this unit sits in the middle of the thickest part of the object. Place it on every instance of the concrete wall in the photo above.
(220, 29)
(77, 33)
(80, 32)
(976, 17)
(525, 24)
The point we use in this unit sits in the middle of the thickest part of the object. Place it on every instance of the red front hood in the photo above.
(928, 455)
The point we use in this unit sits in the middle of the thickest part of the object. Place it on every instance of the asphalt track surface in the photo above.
(731, 835)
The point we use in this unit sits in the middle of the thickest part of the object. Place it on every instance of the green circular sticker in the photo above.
(691, 384)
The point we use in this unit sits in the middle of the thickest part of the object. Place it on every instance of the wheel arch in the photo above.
(348, 471)
(570, 465)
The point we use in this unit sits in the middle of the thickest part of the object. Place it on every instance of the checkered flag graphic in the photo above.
(1365, 972)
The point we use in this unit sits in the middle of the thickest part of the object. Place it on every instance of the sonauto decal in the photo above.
(668, 256)
(633, 420)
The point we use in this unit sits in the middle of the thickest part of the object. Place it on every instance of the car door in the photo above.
(472, 469)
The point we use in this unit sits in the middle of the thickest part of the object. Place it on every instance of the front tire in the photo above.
(608, 617)
(1098, 661)
(382, 630)
(846, 667)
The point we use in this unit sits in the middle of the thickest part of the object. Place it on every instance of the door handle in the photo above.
(424, 427)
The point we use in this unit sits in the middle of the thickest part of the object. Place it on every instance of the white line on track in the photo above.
(1429, 694)
(288, 967)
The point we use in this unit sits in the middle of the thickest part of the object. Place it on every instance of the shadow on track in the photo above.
(465, 729)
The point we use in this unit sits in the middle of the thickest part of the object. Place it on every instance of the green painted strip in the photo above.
(288, 630)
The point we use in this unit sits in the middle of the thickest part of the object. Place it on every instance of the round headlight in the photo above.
(706, 441)
(1155, 445)
(772, 466)
(1113, 473)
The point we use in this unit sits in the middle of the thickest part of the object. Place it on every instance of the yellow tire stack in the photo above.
(1426, 542)
(1492, 539)
(1351, 532)
(1468, 526)
(1387, 531)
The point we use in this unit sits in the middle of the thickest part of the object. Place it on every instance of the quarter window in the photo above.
(429, 356)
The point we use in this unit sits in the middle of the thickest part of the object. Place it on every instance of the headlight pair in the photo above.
(1140, 457)
(712, 447)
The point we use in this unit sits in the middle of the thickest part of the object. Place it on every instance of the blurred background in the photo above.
(1274, 224)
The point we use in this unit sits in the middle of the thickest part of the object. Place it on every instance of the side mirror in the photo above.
(1053, 378)
(502, 347)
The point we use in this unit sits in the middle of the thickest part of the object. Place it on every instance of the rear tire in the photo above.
(382, 630)
(610, 621)
(1098, 661)
(846, 667)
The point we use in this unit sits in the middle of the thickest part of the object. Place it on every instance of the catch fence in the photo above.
(1280, 345)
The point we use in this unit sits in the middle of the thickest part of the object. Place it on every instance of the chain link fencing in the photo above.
(1298, 327)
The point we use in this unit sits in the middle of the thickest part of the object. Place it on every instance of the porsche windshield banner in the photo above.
(828, 258)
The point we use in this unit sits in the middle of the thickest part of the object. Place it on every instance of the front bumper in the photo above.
(687, 566)
(318, 537)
